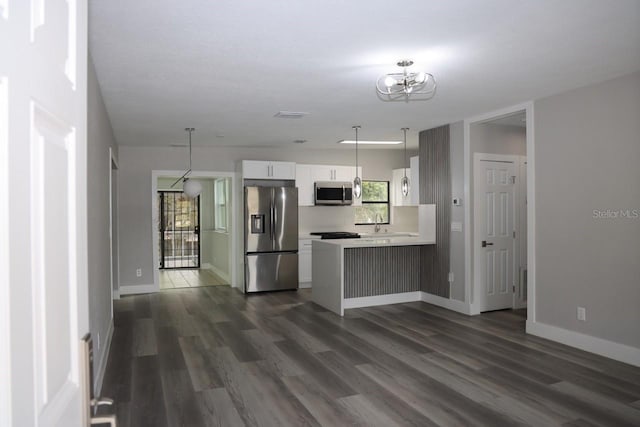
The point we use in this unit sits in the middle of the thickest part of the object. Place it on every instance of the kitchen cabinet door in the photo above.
(283, 170)
(304, 182)
(345, 173)
(256, 169)
(304, 261)
(253, 169)
(322, 173)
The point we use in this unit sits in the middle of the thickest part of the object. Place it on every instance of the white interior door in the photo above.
(495, 224)
(43, 74)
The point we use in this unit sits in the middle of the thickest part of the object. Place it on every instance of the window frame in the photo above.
(217, 207)
(387, 202)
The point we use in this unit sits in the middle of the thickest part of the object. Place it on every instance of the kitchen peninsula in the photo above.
(375, 270)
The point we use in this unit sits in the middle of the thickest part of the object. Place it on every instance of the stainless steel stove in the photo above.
(336, 235)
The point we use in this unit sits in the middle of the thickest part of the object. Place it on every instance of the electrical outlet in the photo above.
(451, 277)
(139, 272)
(582, 314)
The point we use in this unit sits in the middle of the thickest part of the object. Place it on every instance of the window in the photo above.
(221, 202)
(375, 201)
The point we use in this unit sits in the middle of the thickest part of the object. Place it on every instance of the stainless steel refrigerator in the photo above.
(271, 238)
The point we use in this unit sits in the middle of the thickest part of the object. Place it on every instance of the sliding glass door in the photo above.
(179, 230)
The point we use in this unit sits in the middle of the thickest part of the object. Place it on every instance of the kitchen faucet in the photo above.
(376, 228)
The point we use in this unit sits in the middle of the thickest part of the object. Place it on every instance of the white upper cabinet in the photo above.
(253, 169)
(304, 182)
(412, 199)
(307, 175)
(414, 183)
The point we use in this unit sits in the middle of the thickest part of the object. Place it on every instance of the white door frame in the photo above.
(113, 189)
(5, 307)
(477, 229)
(470, 299)
(155, 174)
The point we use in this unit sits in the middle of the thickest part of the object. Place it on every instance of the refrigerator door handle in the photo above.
(273, 216)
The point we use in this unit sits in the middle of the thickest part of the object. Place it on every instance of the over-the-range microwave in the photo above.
(334, 193)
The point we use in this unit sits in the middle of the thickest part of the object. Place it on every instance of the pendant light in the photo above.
(357, 182)
(404, 182)
(190, 187)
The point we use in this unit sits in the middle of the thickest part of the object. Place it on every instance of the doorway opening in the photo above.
(193, 243)
(499, 173)
(179, 230)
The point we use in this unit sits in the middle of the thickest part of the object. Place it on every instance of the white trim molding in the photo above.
(527, 107)
(602, 347)
(104, 357)
(137, 289)
(449, 304)
(223, 275)
(381, 300)
(235, 224)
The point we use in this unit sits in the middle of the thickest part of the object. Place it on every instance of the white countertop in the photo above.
(372, 242)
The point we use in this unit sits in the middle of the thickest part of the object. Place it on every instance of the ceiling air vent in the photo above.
(290, 114)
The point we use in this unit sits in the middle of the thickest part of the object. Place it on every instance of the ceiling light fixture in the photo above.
(348, 141)
(404, 182)
(190, 187)
(406, 86)
(357, 182)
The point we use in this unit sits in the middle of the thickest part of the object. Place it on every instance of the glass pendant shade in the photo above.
(357, 187)
(404, 185)
(192, 188)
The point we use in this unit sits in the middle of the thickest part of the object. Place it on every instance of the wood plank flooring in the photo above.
(210, 356)
(189, 278)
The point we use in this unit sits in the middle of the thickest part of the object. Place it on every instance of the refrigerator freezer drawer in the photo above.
(271, 272)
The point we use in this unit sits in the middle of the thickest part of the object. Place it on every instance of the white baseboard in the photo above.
(223, 275)
(304, 285)
(602, 347)
(450, 304)
(137, 289)
(381, 300)
(104, 357)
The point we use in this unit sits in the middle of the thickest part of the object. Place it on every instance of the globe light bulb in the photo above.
(192, 188)
(357, 187)
(404, 184)
(421, 77)
(389, 81)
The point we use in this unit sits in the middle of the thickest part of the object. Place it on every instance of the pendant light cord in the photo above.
(405, 150)
(356, 128)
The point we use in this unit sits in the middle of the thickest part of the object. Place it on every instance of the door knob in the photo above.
(485, 244)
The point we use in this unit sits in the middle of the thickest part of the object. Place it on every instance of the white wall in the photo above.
(587, 155)
(136, 164)
(99, 139)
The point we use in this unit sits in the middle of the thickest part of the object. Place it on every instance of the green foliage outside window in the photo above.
(375, 201)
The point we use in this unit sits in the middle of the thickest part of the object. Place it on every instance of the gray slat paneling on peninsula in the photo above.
(380, 271)
(435, 188)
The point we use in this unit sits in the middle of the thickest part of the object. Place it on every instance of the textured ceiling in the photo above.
(226, 67)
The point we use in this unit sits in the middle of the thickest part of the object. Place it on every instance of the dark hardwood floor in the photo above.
(213, 357)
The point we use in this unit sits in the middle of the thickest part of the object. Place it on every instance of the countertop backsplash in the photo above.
(341, 218)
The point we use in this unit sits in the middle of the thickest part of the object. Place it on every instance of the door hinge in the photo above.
(514, 288)
(514, 234)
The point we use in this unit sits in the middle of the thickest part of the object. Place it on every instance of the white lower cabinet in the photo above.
(304, 261)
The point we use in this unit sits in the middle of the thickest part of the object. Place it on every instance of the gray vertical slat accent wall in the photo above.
(435, 188)
(380, 271)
